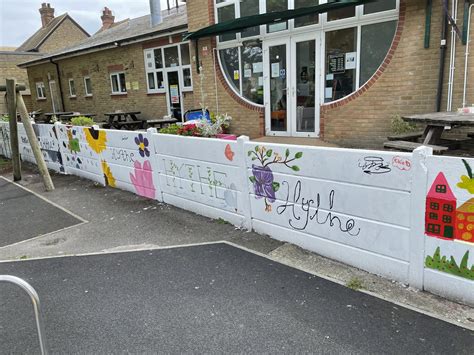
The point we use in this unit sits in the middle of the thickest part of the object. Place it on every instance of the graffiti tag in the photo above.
(374, 165)
(401, 163)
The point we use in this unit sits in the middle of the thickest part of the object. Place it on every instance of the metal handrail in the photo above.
(36, 305)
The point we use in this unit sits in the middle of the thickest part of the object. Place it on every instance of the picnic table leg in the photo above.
(432, 135)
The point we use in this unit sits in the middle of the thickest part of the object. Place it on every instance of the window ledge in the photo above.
(41, 99)
(73, 97)
(88, 96)
(119, 94)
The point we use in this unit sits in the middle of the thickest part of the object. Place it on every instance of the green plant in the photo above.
(82, 121)
(171, 129)
(450, 266)
(355, 284)
(399, 126)
(4, 118)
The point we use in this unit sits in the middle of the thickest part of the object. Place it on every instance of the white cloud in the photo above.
(20, 19)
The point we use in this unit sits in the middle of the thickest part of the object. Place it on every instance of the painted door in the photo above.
(54, 96)
(174, 96)
(291, 80)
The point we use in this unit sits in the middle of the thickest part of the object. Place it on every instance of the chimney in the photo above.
(107, 19)
(155, 12)
(47, 14)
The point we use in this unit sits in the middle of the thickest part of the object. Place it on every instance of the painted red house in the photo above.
(440, 217)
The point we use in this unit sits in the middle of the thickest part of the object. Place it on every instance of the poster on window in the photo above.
(337, 63)
(275, 70)
(351, 60)
(258, 67)
(174, 93)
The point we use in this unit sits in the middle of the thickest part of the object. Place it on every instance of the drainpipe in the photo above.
(467, 56)
(60, 86)
(442, 58)
(452, 58)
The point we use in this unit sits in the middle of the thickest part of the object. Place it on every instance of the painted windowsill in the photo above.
(118, 93)
(156, 93)
(41, 99)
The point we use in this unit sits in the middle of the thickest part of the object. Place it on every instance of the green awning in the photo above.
(242, 23)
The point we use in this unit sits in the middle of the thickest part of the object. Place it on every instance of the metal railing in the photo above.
(36, 305)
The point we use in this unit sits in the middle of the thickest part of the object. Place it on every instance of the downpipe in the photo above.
(452, 59)
(442, 58)
(466, 59)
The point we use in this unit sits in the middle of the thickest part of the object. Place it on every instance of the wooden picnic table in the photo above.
(127, 119)
(160, 122)
(437, 122)
(70, 116)
(49, 115)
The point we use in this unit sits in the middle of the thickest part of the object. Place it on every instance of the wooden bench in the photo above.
(411, 146)
(160, 122)
(131, 125)
(412, 137)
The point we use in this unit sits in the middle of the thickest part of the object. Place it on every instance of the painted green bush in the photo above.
(442, 263)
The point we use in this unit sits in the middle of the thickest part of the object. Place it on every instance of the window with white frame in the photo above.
(117, 83)
(72, 88)
(40, 90)
(88, 86)
(160, 60)
(361, 33)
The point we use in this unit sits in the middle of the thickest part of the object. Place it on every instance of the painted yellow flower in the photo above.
(96, 139)
(109, 178)
(466, 183)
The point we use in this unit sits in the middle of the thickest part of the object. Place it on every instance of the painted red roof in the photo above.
(441, 180)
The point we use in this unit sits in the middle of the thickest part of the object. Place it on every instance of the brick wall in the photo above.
(98, 66)
(9, 70)
(65, 35)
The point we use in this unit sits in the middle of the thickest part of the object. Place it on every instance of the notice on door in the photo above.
(337, 63)
(275, 70)
(174, 93)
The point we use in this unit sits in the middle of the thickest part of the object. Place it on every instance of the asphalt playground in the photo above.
(212, 297)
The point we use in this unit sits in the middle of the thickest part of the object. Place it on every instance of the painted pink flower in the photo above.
(143, 179)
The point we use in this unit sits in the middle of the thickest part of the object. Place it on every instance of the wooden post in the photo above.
(11, 104)
(35, 147)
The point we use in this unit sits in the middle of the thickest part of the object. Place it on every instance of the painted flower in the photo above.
(142, 143)
(143, 179)
(109, 178)
(263, 183)
(466, 183)
(96, 139)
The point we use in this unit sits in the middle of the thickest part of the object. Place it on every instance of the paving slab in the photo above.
(212, 298)
(24, 215)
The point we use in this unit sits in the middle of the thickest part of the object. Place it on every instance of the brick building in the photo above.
(133, 64)
(54, 34)
(341, 72)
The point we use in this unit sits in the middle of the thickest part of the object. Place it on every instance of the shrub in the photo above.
(82, 121)
(4, 118)
(399, 126)
(171, 129)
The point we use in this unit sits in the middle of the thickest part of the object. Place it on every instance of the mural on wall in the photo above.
(48, 140)
(262, 179)
(109, 178)
(96, 139)
(444, 219)
(142, 180)
(442, 263)
(142, 143)
(229, 154)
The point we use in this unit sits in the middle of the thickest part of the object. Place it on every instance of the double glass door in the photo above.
(291, 85)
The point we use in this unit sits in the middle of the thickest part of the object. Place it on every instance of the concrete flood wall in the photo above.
(408, 217)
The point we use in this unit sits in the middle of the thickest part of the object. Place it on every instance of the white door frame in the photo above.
(180, 89)
(291, 81)
(315, 36)
(51, 84)
(266, 82)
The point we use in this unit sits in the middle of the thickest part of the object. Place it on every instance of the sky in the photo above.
(19, 19)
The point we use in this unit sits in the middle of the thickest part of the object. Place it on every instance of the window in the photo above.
(433, 216)
(159, 60)
(40, 90)
(447, 208)
(72, 88)
(275, 6)
(441, 189)
(249, 8)
(340, 63)
(226, 13)
(230, 65)
(434, 228)
(345, 12)
(434, 206)
(88, 86)
(309, 19)
(380, 5)
(252, 71)
(117, 81)
(447, 219)
(375, 44)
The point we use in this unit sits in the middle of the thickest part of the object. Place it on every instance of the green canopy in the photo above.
(239, 24)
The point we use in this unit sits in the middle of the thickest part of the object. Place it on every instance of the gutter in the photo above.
(60, 86)
(104, 46)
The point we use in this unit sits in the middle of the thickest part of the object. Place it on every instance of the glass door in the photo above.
(173, 93)
(276, 63)
(304, 86)
(54, 97)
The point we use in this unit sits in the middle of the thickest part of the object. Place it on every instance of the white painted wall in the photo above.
(363, 208)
